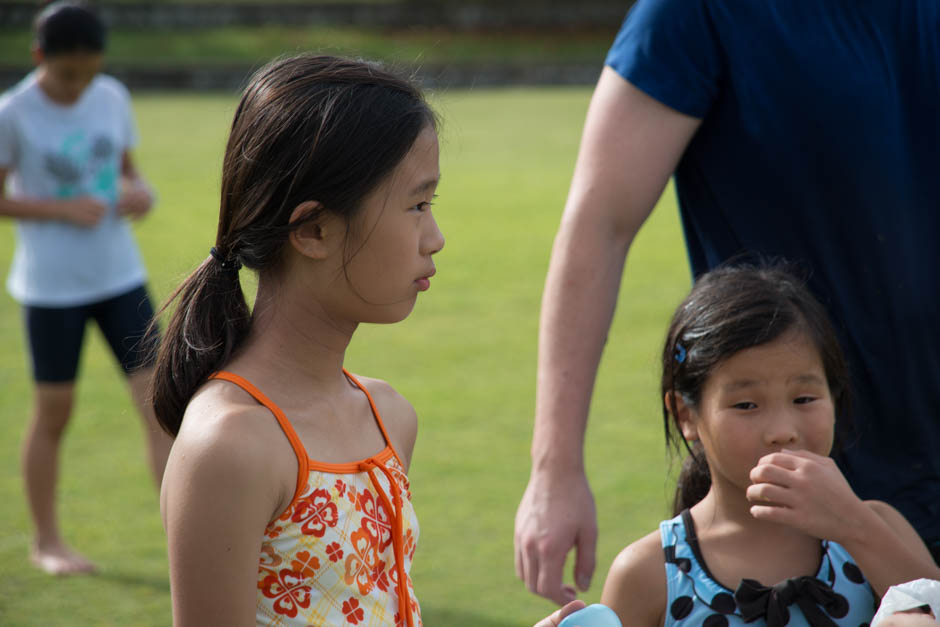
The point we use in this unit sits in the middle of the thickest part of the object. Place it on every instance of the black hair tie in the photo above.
(227, 263)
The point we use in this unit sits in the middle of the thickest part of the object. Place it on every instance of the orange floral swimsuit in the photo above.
(341, 552)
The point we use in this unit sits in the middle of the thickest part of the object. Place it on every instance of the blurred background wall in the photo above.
(215, 44)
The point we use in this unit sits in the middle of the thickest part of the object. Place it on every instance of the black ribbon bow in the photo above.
(808, 593)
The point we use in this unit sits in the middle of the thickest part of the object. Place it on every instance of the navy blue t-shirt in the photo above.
(820, 144)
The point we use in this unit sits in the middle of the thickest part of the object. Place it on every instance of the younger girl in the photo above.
(286, 500)
(753, 379)
(69, 180)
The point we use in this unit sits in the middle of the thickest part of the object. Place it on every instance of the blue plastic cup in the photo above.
(596, 615)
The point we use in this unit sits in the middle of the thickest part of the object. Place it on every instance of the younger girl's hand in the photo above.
(909, 619)
(136, 199)
(805, 491)
(84, 210)
(558, 615)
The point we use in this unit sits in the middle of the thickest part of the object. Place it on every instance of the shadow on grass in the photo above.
(155, 583)
(459, 618)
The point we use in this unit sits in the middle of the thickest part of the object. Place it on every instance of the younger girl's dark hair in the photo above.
(308, 128)
(728, 310)
(69, 26)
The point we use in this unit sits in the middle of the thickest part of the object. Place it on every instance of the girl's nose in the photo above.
(433, 240)
(782, 433)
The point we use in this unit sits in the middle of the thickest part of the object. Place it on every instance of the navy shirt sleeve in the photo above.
(669, 50)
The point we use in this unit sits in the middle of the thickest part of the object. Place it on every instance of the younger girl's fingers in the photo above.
(772, 513)
(771, 474)
(765, 473)
(805, 454)
(783, 459)
(768, 494)
(558, 615)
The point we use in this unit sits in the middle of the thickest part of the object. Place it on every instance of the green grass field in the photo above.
(465, 358)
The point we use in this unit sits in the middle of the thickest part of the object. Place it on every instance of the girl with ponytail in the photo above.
(766, 529)
(286, 499)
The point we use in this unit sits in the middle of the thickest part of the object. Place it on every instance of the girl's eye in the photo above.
(424, 206)
(802, 400)
(745, 405)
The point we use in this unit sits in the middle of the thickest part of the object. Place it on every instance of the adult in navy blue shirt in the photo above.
(807, 130)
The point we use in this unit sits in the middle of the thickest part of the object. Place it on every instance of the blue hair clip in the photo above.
(680, 353)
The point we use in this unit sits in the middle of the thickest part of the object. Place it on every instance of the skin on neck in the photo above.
(735, 545)
(728, 512)
(293, 338)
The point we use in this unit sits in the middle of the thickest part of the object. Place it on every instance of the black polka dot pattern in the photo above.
(681, 607)
(838, 607)
(724, 603)
(852, 573)
(716, 620)
(696, 599)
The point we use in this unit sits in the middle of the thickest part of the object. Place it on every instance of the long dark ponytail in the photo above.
(728, 310)
(307, 128)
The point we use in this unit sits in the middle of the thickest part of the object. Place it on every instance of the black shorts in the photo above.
(55, 334)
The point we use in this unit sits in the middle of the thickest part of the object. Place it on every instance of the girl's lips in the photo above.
(425, 282)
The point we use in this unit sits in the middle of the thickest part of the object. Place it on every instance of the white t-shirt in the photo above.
(55, 151)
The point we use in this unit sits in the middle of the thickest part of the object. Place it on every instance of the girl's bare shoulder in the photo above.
(636, 583)
(223, 415)
(227, 434)
(397, 415)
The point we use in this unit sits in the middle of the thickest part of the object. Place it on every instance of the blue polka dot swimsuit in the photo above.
(694, 597)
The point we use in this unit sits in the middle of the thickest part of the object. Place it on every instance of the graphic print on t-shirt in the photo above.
(84, 166)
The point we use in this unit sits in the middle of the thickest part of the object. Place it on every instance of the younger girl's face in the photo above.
(395, 238)
(760, 400)
(65, 77)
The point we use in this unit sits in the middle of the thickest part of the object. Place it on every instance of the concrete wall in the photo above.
(487, 16)
(429, 76)
(456, 15)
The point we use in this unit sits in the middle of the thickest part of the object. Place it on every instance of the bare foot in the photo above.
(61, 560)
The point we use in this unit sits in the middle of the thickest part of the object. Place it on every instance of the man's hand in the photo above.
(556, 513)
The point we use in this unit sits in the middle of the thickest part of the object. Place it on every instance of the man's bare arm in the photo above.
(629, 149)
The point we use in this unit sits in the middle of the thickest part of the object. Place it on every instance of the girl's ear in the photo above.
(314, 238)
(684, 415)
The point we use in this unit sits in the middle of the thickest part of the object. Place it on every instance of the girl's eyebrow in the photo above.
(740, 384)
(807, 378)
(426, 185)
